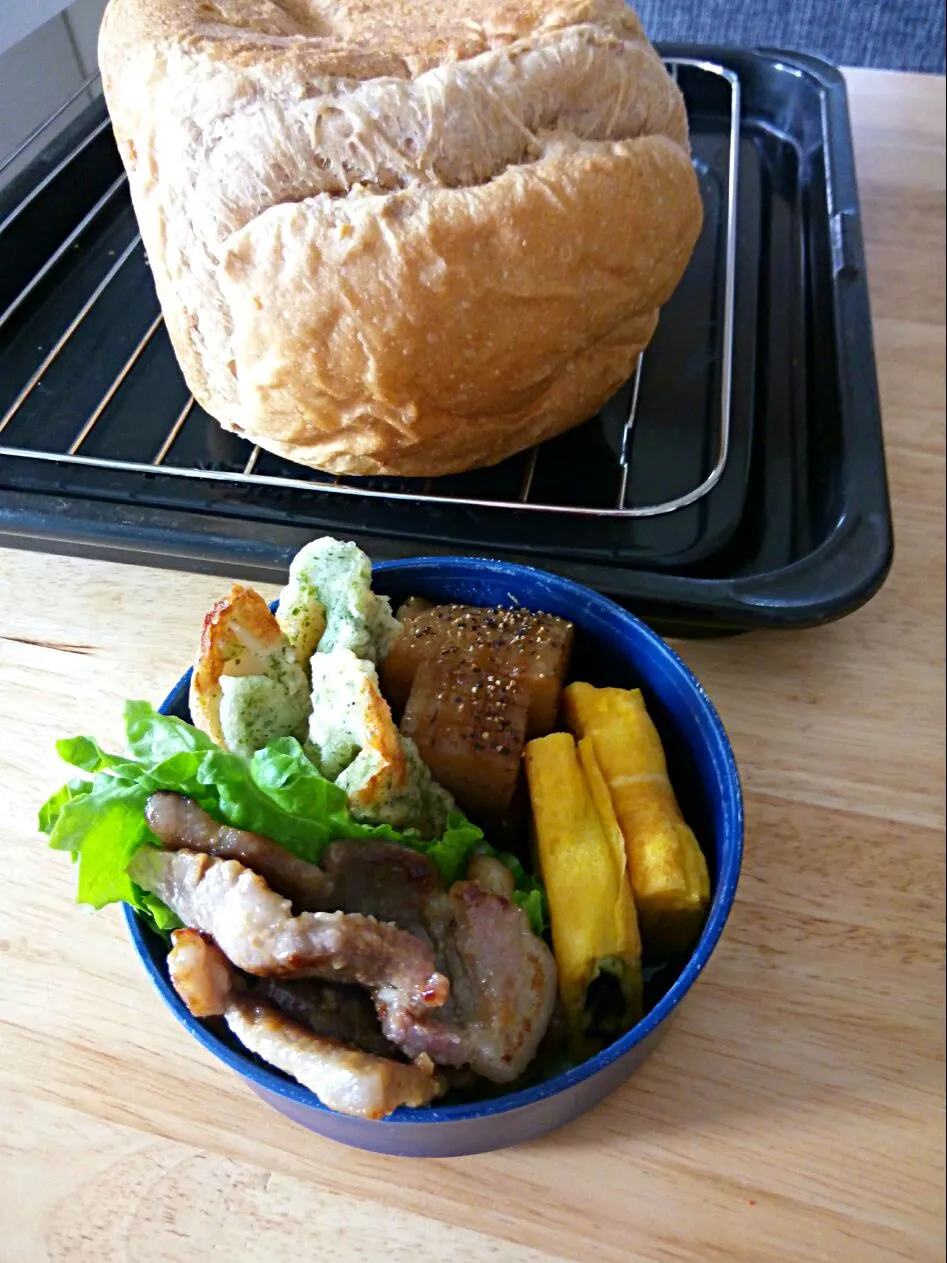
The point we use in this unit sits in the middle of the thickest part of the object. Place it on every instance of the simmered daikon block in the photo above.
(469, 725)
(510, 643)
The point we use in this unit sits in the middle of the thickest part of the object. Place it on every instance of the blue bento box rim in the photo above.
(712, 730)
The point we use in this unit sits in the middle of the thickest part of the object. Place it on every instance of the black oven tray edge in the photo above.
(844, 573)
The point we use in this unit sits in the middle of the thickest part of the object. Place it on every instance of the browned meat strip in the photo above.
(181, 824)
(502, 976)
(205, 980)
(327, 1008)
(345, 1079)
(383, 880)
(491, 873)
(256, 930)
(503, 987)
(200, 973)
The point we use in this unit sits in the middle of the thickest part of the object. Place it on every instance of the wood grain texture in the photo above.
(796, 1109)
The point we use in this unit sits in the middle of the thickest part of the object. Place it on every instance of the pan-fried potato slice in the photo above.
(668, 870)
(247, 687)
(581, 856)
(329, 604)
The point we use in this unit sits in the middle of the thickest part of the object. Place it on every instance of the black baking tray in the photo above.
(796, 532)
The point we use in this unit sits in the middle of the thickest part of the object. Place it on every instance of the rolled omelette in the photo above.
(581, 856)
(668, 871)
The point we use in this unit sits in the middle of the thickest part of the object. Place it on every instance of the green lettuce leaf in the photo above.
(454, 851)
(533, 902)
(159, 914)
(152, 738)
(278, 793)
(88, 755)
(52, 809)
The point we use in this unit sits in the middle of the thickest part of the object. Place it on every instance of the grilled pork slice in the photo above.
(470, 726)
(492, 874)
(495, 1010)
(182, 825)
(200, 973)
(344, 1078)
(382, 880)
(503, 987)
(327, 1008)
(205, 980)
(503, 978)
(534, 648)
(257, 932)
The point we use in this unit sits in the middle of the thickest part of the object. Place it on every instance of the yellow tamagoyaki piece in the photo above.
(581, 857)
(668, 870)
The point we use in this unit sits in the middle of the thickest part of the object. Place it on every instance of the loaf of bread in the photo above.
(401, 236)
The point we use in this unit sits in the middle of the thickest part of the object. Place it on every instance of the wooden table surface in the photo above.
(796, 1108)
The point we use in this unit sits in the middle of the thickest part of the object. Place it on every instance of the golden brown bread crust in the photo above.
(402, 237)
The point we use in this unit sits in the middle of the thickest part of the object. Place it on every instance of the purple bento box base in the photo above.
(612, 647)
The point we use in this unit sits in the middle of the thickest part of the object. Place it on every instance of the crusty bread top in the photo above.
(474, 164)
(380, 97)
(363, 39)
